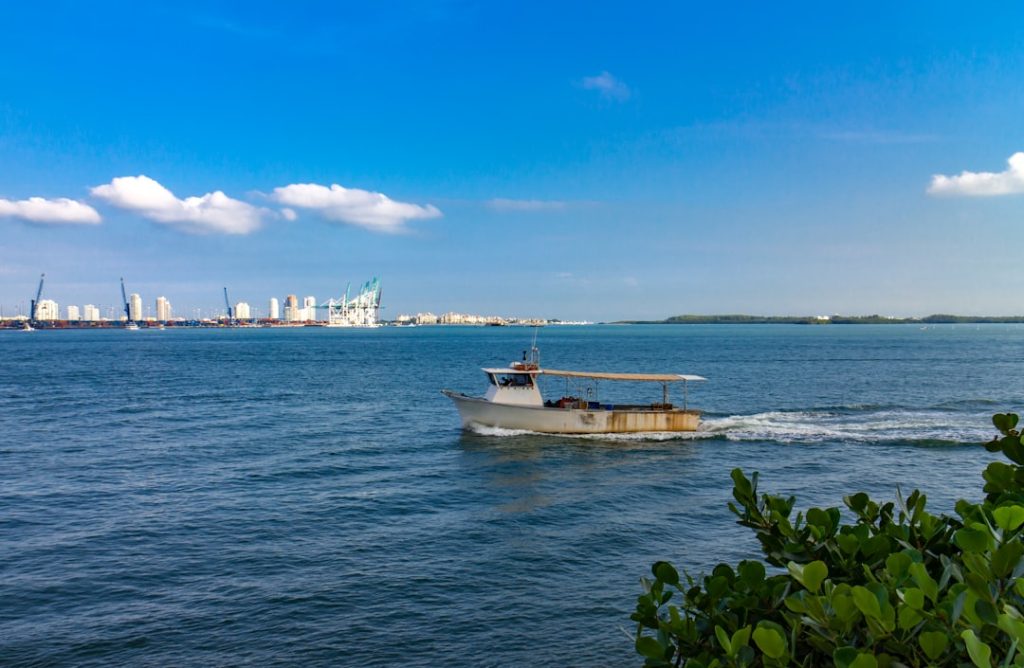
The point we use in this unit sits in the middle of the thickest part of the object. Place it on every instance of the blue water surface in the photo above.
(307, 497)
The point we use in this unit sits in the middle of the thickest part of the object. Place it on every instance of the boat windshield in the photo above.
(511, 379)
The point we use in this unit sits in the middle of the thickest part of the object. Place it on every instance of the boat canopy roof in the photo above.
(603, 375)
(511, 369)
(648, 377)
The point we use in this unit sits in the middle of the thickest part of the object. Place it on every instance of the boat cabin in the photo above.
(515, 385)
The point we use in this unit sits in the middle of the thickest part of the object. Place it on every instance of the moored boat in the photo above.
(514, 401)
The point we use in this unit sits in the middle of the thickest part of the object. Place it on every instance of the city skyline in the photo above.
(575, 161)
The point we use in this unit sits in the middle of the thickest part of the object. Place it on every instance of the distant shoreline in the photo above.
(937, 319)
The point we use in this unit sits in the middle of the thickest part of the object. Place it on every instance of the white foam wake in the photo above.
(812, 426)
(856, 426)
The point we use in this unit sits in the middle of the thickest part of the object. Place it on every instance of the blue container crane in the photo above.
(227, 303)
(124, 299)
(35, 302)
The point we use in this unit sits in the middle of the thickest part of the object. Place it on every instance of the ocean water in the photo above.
(307, 497)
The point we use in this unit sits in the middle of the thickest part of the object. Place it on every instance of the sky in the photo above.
(574, 160)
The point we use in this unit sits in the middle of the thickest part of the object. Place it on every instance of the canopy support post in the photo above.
(664, 394)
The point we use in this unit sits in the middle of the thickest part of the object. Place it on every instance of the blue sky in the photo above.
(574, 160)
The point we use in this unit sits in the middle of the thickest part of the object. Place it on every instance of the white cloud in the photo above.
(212, 213)
(502, 204)
(60, 211)
(608, 86)
(982, 184)
(374, 211)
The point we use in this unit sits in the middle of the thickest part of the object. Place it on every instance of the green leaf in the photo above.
(843, 606)
(1013, 627)
(740, 639)
(933, 643)
(814, 574)
(914, 598)
(770, 641)
(795, 602)
(716, 586)
(981, 654)
(844, 656)
(665, 572)
(865, 660)
(1004, 422)
(925, 581)
(866, 602)
(1006, 558)
(650, 648)
(741, 485)
(1008, 518)
(857, 502)
(848, 543)
(751, 572)
(897, 564)
(723, 639)
(971, 540)
(908, 617)
(986, 612)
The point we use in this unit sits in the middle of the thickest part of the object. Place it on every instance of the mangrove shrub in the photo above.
(894, 586)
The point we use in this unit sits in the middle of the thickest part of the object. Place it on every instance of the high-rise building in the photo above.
(47, 309)
(90, 313)
(242, 311)
(291, 308)
(73, 313)
(163, 309)
(135, 307)
(275, 309)
(309, 308)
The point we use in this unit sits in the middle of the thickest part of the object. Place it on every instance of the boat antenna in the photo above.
(534, 351)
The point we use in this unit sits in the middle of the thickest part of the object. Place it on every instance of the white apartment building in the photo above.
(163, 309)
(291, 309)
(90, 313)
(427, 318)
(309, 308)
(275, 309)
(135, 307)
(47, 309)
(73, 313)
(242, 311)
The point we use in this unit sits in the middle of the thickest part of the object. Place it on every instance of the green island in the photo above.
(731, 319)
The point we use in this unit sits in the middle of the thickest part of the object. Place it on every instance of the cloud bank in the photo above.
(60, 211)
(212, 213)
(609, 87)
(982, 184)
(370, 210)
(502, 204)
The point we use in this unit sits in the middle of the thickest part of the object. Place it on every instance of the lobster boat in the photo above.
(514, 401)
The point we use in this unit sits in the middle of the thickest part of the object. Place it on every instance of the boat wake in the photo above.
(849, 424)
(873, 425)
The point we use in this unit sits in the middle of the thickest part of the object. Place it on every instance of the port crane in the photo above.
(227, 303)
(34, 311)
(124, 300)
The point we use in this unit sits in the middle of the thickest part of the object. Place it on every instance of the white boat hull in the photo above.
(476, 411)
